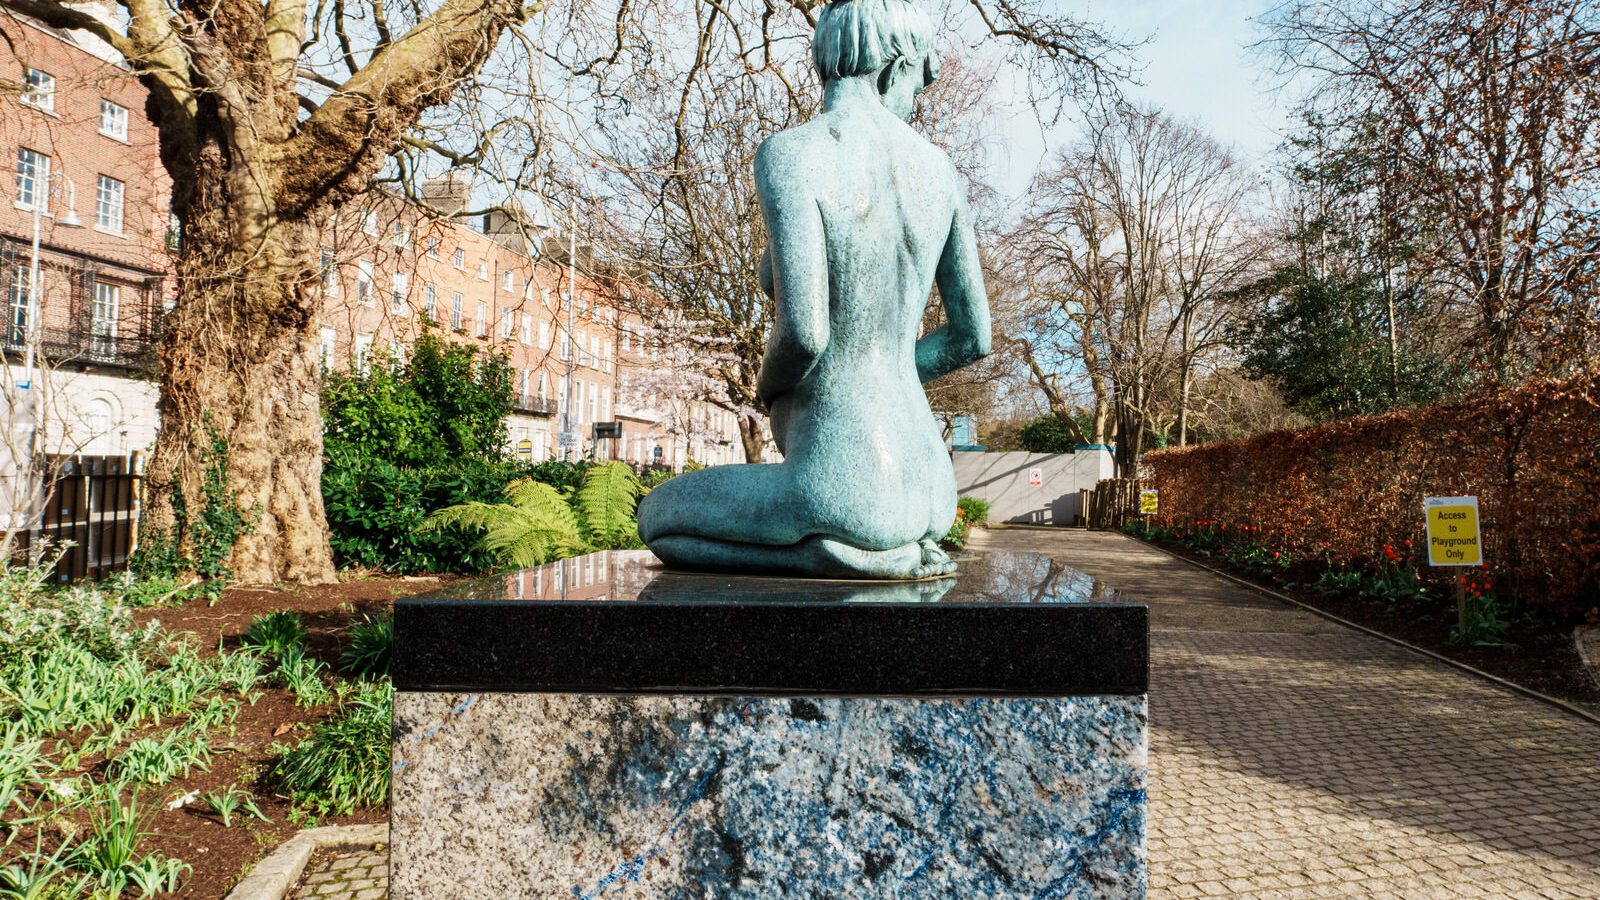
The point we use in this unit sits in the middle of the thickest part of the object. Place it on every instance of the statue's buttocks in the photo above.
(863, 217)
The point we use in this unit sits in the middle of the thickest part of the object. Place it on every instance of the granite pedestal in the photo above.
(602, 727)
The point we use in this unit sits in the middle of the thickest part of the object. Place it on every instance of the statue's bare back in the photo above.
(864, 216)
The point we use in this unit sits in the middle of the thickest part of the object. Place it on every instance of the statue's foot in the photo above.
(935, 561)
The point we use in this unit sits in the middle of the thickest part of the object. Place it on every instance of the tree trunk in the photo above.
(755, 443)
(240, 368)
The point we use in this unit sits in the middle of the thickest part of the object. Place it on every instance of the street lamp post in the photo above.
(30, 338)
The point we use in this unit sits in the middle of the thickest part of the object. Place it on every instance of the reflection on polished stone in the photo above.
(636, 575)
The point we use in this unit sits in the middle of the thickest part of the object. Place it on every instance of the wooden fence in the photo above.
(1112, 502)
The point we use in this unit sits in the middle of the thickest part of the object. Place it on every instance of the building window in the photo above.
(483, 270)
(113, 120)
(455, 310)
(399, 292)
(460, 259)
(328, 346)
(364, 281)
(527, 329)
(483, 319)
(33, 177)
(544, 335)
(39, 89)
(369, 222)
(402, 235)
(566, 348)
(430, 302)
(522, 384)
(330, 274)
(433, 247)
(108, 204)
(542, 382)
(363, 353)
(508, 281)
(103, 319)
(397, 353)
(21, 306)
(508, 323)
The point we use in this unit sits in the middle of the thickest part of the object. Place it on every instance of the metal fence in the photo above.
(93, 503)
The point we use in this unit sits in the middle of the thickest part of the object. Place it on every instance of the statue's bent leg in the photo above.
(817, 556)
(743, 503)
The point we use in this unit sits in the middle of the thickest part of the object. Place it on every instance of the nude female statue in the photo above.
(863, 216)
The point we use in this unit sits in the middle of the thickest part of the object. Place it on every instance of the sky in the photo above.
(1197, 66)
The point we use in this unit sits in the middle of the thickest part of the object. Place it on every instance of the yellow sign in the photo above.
(525, 449)
(1149, 502)
(1453, 536)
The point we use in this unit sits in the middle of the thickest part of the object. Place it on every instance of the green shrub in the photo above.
(345, 761)
(370, 647)
(1047, 434)
(976, 510)
(276, 632)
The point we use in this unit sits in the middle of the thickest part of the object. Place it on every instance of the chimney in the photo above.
(450, 193)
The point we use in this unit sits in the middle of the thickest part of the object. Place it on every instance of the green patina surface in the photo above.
(864, 217)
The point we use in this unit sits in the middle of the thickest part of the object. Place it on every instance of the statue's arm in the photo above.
(965, 336)
(797, 264)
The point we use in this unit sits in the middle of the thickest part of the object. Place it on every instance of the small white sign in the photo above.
(1035, 477)
(567, 440)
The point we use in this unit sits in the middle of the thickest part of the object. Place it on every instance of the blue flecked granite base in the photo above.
(542, 795)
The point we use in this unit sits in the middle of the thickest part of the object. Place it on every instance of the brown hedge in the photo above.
(1345, 490)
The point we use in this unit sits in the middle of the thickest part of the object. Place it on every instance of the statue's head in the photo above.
(889, 41)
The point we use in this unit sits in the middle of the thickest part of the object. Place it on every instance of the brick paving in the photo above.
(1293, 757)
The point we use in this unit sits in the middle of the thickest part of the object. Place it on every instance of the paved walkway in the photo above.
(1293, 757)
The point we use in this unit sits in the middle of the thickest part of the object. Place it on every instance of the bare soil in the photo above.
(221, 856)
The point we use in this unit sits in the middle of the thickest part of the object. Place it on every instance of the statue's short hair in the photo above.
(859, 37)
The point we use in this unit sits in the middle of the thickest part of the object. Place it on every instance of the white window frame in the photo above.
(110, 204)
(329, 263)
(544, 335)
(433, 247)
(459, 259)
(399, 291)
(508, 281)
(369, 222)
(483, 319)
(35, 181)
(113, 120)
(402, 234)
(39, 90)
(366, 283)
(527, 330)
(19, 318)
(456, 303)
(361, 353)
(430, 301)
(329, 345)
(483, 270)
(508, 323)
(104, 309)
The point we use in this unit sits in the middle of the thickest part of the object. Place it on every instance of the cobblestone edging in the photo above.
(1587, 639)
(272, 878)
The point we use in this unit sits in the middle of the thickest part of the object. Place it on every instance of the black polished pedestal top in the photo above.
(1013, 624)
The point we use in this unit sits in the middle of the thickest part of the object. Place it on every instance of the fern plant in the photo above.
(535, 526)
(538, 523)
(606, 505)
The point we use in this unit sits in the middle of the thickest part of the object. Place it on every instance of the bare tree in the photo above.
(275, 113)
(1132, 243)
(1490, 110)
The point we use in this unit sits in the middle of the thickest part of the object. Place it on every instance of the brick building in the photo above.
(87, 171)
(88, 177)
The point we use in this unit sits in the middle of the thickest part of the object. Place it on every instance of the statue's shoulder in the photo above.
(790, 147)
